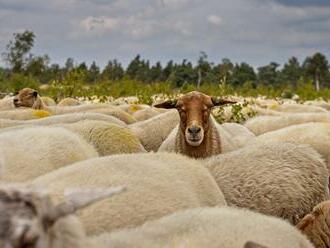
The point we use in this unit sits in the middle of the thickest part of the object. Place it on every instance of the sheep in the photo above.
(154, 131)
(24, 114)
(116, 112)
(31, 152)
(316, 134)
(299, 108)
(208, 227)
(132, 108)
(48, 101)
(238, 134)
(264, 111)
(280, 179)
(198, 135)
(69, 101)
(159, 184)
(28, 217)
(107, 138)
(263, 124)
(145, 114)
(65, 118)
(322, 104)
(315, 225)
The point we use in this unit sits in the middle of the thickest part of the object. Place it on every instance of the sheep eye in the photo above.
(183, 115)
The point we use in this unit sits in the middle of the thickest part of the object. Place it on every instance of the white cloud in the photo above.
(215, 20)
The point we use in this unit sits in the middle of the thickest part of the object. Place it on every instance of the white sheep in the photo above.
(69, 101)
(30, 219)
(31, 152)
(299, 108)
(159, 184)
(106, 138)
(316, 134)
(145, 114)
(208, 227)
(280, 179)
(132, 108)
(116, 112)
(48, 100)
(198, 135)
(154, 131)
(65, 118)
(24, 114)
(7, 103)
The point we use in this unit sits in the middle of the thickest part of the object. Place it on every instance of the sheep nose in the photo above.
(15, 100)
(194, 130)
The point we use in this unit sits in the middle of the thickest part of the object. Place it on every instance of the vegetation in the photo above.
(309, 79)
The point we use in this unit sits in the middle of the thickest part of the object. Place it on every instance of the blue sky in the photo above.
(254, 31)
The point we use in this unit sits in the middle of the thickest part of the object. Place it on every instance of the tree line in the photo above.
(314, 68)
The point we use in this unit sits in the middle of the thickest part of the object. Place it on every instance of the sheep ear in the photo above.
(16, 93)
(306, 221)
(251, 244)
(167, 105)
(217, 101)
(35, 93)
(78, 199)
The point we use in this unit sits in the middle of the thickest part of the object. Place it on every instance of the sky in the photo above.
(252, 31)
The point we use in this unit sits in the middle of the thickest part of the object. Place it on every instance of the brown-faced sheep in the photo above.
(280, 179)
(159, 184)
(198, 135)
(316, 225)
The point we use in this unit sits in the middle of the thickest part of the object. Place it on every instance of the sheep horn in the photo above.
(167, 104)
(251, 244)
(217, 101)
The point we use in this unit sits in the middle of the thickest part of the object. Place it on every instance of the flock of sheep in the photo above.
(130, 175)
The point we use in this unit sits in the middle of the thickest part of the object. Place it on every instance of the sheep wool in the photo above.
(158, 183)
(208, 227)
(299, 108)
(24, 114)
(31, 152)
(154, 131)
(280, 179)
(145, 114)
(69, 101)
(316, 134)
(107, 138)
(263, 124)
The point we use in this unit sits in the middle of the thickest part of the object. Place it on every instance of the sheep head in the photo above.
(26, 98)
(28, 216)
(194, 109)
(316, 225)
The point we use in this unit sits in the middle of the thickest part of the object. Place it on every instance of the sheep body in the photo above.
(299, 108)
(31, 152)
(207, 227)
(6, 103)
(116, 112)
(48, 101)
(24, 114)
(65, 118)
(145, 114)
(107, 138)
(69, 101)
(159, 184)
(264, 124)
(280, 179)
(154, 131)
(316, 134)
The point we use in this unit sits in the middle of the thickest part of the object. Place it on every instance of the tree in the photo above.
(113, 71)
(93, 72)
(18, 49)
(69, 65)
(291, 72)
(317, 68)
(225, 70)
(37, 66)
(204, 69)
(155, 73)
(268, 75)
(243, 73)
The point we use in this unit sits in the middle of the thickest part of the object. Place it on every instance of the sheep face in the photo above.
(194, 109)
(316, 225)
(21, 220)
(25, 98)
(27, 217)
